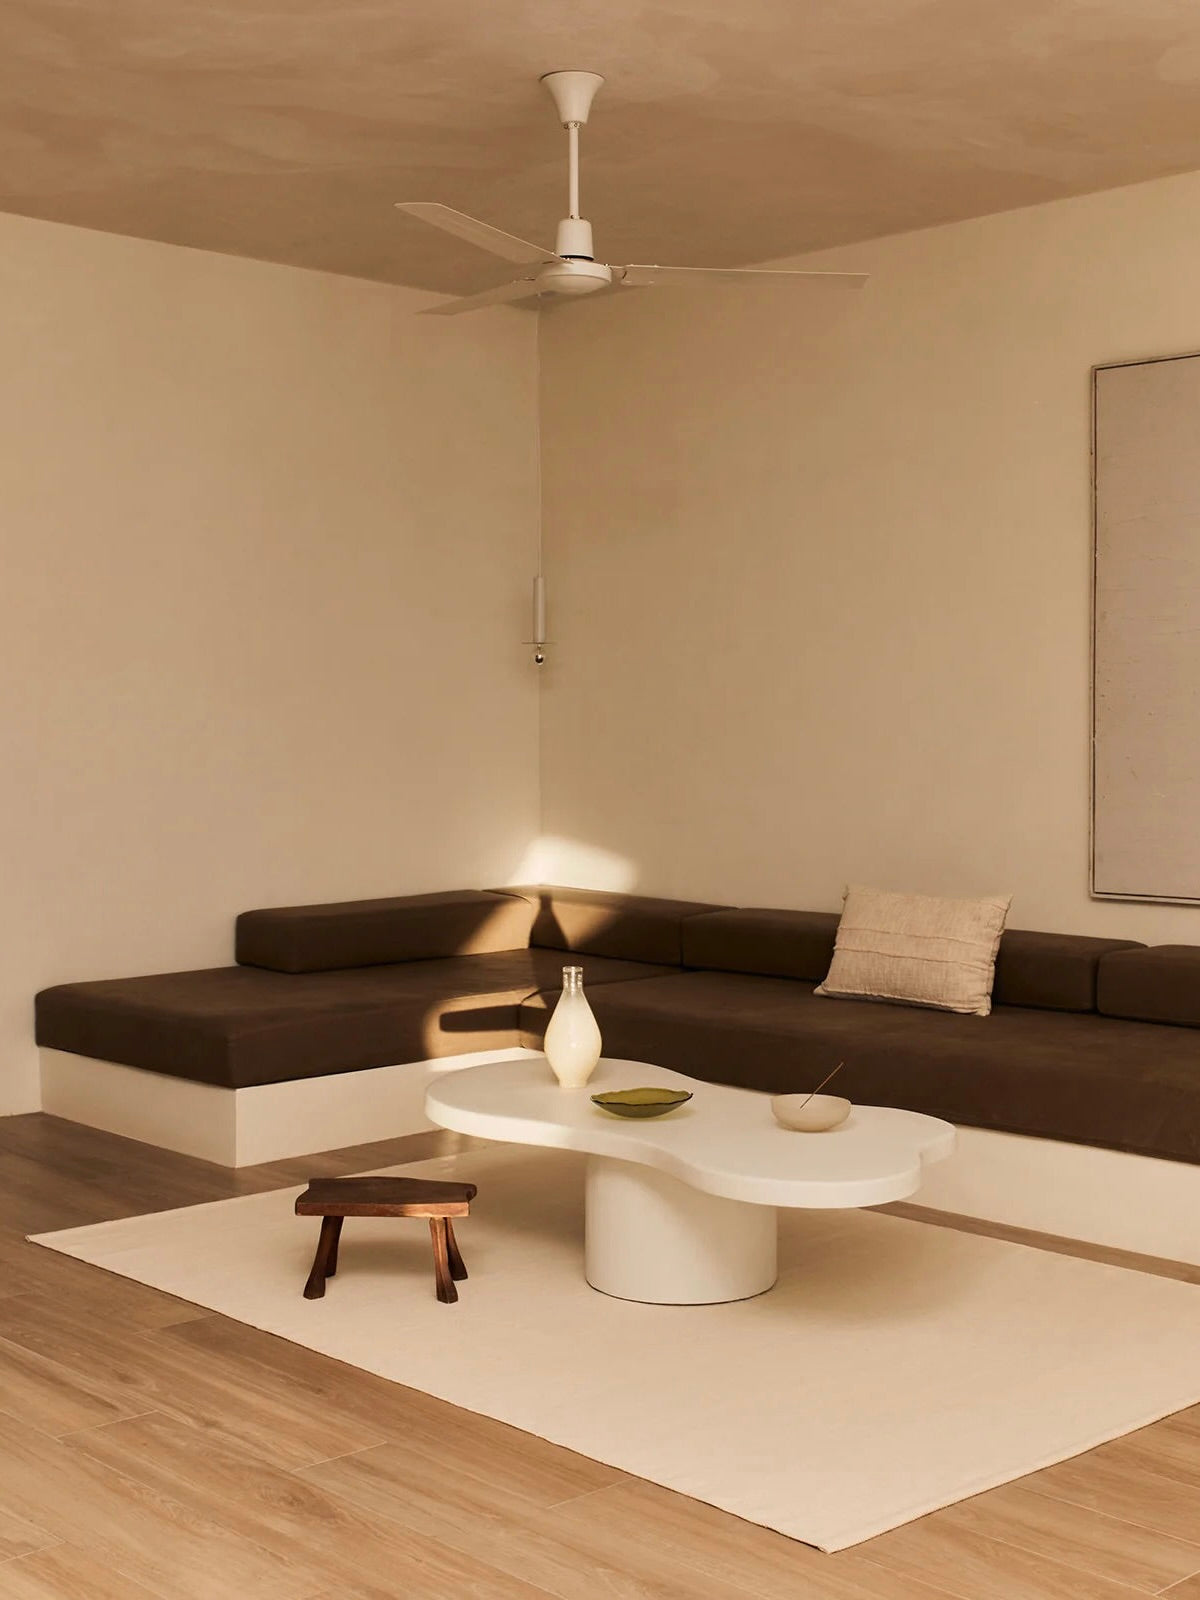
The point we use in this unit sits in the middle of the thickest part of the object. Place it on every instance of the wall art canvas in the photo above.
(1146, 620)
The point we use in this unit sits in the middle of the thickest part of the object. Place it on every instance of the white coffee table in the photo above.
(681, 1209)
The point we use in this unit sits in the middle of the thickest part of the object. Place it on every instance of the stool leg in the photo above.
(331, 1265)
(327, 1245)
(446, 1292)
(458, 1267)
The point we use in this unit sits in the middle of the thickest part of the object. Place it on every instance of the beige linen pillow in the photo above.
(918, 949)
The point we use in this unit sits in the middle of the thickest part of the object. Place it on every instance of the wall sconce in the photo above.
(539, 621)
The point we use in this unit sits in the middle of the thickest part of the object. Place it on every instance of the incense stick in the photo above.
(820, 1086)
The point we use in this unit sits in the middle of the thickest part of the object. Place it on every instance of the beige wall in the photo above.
(820, 566)
(267, 539)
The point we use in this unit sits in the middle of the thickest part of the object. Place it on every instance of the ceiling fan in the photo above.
(570, 268)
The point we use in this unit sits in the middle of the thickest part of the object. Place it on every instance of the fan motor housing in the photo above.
(574, 277)
(574, 239)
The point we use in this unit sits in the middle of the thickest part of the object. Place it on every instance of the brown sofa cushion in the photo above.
(364, 933)
(1161, 984)
(1053, 1074)
(630, 927)
(237, 1026)
(774, 944)
(1051, 971)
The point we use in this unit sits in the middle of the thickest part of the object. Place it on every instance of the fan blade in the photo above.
(476, 232)
(519, 289)
(639, 277)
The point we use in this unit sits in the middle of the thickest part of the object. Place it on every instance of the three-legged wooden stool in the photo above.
(335, 1199)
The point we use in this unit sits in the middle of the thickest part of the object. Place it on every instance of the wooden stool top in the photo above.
(385, 1197)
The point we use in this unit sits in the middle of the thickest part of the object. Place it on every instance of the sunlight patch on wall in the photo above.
(571, 863)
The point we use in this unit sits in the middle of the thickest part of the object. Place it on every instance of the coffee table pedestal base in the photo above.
(655, 1239)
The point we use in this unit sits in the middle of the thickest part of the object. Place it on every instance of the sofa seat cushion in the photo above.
(238, 1026)
(364, 933)
(1053, 1074)
(628, 927)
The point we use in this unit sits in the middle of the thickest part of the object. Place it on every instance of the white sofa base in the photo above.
(242, 1127)
(1079, 1191)
(1126, 1202)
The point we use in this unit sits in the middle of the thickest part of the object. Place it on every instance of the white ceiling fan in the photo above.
(570, 268)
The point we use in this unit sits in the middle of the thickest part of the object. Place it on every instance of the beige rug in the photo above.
(895, 1368)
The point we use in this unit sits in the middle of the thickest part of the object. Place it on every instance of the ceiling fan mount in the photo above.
(572, 93)
(570, 269)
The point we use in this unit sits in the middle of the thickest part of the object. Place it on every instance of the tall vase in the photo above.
(572, 1037)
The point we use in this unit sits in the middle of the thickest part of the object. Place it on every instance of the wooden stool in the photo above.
(335, 1199)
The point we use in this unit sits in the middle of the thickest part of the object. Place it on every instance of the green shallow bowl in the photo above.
(641, 1102)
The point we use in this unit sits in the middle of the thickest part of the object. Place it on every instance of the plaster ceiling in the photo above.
(728, 131)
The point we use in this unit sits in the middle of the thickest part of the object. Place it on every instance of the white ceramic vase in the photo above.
(573, 1036)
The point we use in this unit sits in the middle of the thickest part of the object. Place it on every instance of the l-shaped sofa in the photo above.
(1090, 1041)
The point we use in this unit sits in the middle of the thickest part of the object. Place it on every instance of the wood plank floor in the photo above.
(150, 1450)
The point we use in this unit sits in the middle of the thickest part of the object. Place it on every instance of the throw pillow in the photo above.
(918, 949)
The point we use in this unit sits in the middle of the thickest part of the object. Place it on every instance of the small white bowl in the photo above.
(822, 1112)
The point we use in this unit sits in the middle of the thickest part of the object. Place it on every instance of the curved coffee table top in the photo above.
(724, 1141)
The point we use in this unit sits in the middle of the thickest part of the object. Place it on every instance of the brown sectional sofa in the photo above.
(1093, 1041)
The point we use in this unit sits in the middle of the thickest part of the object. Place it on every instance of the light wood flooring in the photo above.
(150, 1450)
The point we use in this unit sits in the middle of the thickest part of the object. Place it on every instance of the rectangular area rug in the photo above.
(895, 1368)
